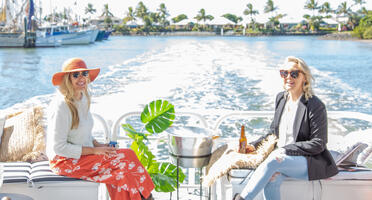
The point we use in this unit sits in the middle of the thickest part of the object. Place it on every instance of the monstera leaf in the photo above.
(157, 116)
(165, 177)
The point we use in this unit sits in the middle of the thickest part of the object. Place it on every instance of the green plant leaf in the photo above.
(132, 133)
(166, 179)
(157, 116)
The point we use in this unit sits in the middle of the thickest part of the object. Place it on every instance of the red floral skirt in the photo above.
(123, 173)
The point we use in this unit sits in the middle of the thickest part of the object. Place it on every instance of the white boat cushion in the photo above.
(352, 148)
(24, 172)
(364, 136)
(238, 176)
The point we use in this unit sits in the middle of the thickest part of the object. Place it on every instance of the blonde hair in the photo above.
(301, 65)
(68, 92)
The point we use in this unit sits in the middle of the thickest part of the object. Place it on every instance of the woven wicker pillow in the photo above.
(23, 137)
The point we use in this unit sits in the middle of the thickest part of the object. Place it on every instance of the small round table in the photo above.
(14, 196)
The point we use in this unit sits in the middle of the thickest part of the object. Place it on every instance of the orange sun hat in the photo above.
(74, 65)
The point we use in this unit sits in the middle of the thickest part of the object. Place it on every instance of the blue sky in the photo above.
(293, 8)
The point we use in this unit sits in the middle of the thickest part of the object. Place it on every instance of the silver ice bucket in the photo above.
(189, 146)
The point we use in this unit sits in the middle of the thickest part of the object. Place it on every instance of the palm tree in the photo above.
(163, 14)
(312, 5)
(233, 18)
(107, 14)
(250, 11)
(325, 8)
(363, 11)
(89, 9)
(358, 2)
(203, 17)
(343, 9)
(269, 7)
(179, 18)
(141, 11)
(129, 16)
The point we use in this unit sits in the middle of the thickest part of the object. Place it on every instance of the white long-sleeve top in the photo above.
(287, 122)
(61, 140)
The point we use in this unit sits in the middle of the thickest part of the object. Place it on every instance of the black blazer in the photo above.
(310, 133)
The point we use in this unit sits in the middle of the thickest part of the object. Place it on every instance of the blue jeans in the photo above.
(271, 173)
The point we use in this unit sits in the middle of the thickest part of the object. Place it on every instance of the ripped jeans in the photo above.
(271, 173)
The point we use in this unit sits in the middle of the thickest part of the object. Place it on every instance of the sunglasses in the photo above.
(83, 73)
(294, 74)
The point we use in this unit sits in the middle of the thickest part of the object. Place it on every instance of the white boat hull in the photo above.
(82, 37)
(93, 35)
(47, 42)
(12, 40)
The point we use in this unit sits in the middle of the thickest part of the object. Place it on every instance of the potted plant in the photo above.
(156, 117)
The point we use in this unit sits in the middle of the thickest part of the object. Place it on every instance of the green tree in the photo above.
(130, 15)
(326, 9)
(89, 9)
(343, 9)
(312, 5)
(141, 11)
(163, 15)
(364, 29)
(275, 20)
(179, 18)
(358, 2)
(107, 14)
(251, 12)
(270, 8)
(314, 20)
(233, 18)
(202, 16)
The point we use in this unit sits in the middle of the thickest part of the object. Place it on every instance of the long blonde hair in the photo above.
(307, 87)
(68, 92)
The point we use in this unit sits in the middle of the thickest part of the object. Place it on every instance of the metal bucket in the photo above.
(190, 146)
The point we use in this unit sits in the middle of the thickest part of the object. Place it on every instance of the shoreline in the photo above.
(321, 35)
(196, 33)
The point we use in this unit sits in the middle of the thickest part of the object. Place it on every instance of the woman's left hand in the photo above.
(279, 154)
(97, 144)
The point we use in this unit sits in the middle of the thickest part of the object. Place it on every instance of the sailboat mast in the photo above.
(3, 12)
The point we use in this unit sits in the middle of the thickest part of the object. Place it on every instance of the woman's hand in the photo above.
(250, 148)
(279, 154)
(97, 144)
(104, 150)
(98, 150)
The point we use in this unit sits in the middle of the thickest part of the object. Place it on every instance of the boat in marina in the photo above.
(66, 36)
(93, 35)
(12, 39)
(9, 38)
(100, 35)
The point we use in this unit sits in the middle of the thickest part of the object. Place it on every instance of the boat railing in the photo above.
(223, 115)
(270, 114)
(123, 140)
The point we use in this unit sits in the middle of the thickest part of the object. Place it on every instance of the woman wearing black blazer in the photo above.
(300, 123)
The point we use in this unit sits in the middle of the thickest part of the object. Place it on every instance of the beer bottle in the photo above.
(242, 141)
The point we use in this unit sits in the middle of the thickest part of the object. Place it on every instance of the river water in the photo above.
(193, 73)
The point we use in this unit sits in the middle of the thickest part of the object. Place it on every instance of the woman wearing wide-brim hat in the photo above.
(71, 148)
